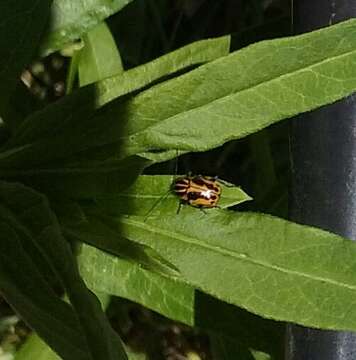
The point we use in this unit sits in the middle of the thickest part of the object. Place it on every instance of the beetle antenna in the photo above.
(156, 204)
(176, 168)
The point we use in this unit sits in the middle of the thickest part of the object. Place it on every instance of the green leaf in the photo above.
(28, 212)
(70, 20)
(101, 232)
(54, 133)
(22, 25)
(62, 149)
(136, 356)
(99, 58)
(151, 195)
(176, 300)
(77, 181)
(258, 355)
(30, 295)
(269, 266)
(243, 92)
(69, 126)
(35, 348)
(120, 277)
(141, 76)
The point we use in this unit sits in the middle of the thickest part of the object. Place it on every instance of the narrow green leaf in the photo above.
(151, 195)
(243, 92)
(140, 76)
(67, 211)
(79, 106)
(29, 210)
(259, 355)
(71, 19)
(102, 233)
(68, 120)
(176, 300)
(99, 58)
(22, 25)
(136, 356)
(269, 266)
(58, 151)
(30, 295)
(116, 276)
(72, 72)
(70, 126)
(98, 179)
(35, 348)
(62, 149)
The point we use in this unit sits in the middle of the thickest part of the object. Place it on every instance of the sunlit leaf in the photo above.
(71, 19)
(99, 58)
(153, 196)
(269, 266)
(140, 76)
(242, 93)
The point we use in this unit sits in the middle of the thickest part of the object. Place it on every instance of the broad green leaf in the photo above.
(28, 211)
(99, 58)
(243, 92)
(176, 300)
(140, 76)
(269, 266)
(151, 195)
(35, 348)
(22, 24)
(71, 19)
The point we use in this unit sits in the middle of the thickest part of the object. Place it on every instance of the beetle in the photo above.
(198, 191)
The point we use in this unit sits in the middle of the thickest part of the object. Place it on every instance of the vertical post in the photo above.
(323, 194)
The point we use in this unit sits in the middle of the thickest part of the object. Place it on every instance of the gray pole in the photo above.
(323, 193)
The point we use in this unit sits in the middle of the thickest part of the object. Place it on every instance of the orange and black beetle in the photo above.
(198, 191)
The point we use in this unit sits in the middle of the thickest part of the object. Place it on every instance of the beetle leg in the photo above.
(203, 210)
(179, 207)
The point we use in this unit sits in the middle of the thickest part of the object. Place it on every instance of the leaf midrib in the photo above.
(242, 257)
(252, 88)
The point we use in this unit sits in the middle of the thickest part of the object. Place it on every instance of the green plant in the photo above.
(71, 173)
